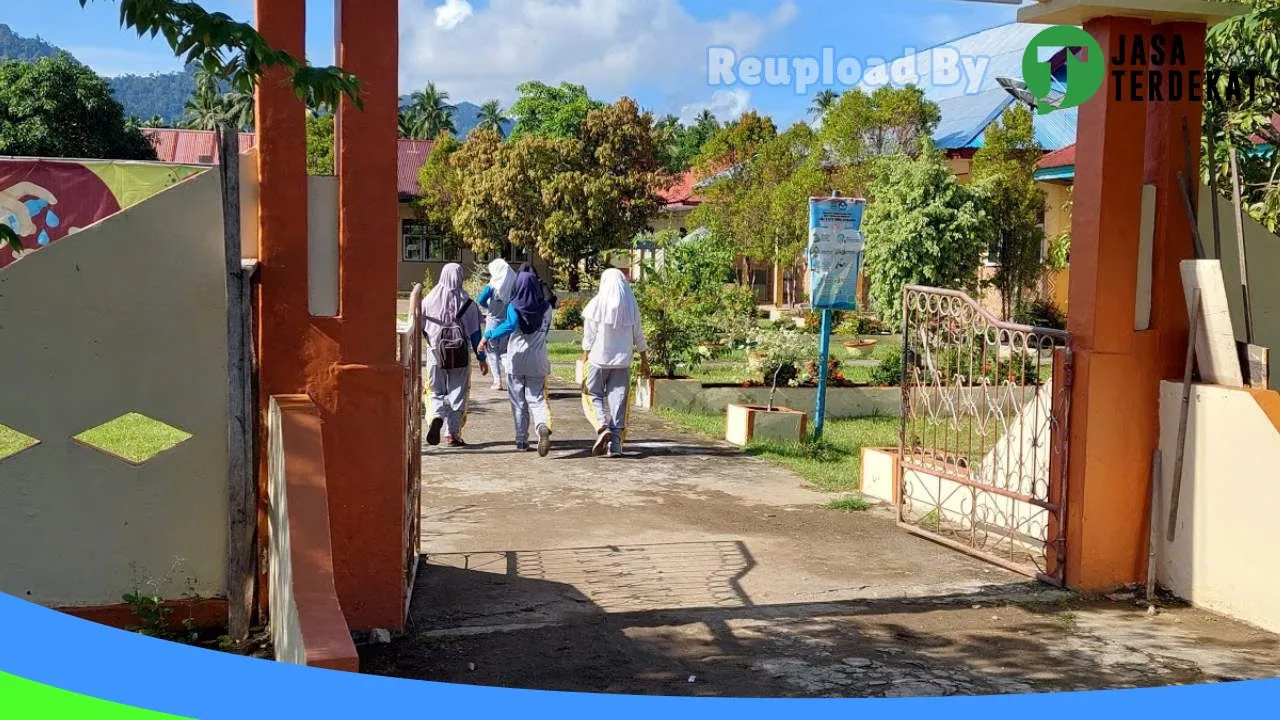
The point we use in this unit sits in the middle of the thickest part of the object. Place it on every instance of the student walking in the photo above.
(493, 301)
(612, 333)
(451, 322)
(526, 361)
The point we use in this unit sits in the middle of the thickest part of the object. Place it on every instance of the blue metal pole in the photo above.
(820, 414)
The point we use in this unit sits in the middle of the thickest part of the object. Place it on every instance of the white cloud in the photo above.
(726, 105)
(612, 46)
(452, 13)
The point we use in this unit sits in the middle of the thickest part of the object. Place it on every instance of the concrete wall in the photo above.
(307, 625)
(322, 246)
(1262, 249)
(1223, 555)
(128, 315)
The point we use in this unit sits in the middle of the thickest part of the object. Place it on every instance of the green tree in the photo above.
(228, 49)
(491, 117)
(56, 107)
(320, 145)
(1004, 176)
(551, 111)
(1248, 43)
(823, 102)
(567, 198)
(207, 109)
(924, 228)
(861, 127)
(430, 113)
(737, 142)
(440, 181)
(679, 145)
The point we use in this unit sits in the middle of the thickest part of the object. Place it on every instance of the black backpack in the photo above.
(453, 349)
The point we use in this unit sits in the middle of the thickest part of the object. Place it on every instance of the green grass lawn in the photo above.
(834, 465)
(136, 438)
(13, 442)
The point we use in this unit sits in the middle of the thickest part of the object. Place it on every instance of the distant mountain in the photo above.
(166, 94)
(163, 94)
(143, 96)
(16, 47)
(465, 118)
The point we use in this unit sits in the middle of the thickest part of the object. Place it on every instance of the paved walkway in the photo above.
(690, 568)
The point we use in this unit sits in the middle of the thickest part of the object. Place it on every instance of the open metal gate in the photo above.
(983, 445)
(410, 352)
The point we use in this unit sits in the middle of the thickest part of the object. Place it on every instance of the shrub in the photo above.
(813, 320)
(777, 356)
(859, 324)
(569, 314)
(889, 372)
(1042, 314)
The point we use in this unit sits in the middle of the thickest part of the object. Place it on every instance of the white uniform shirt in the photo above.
(610, 346)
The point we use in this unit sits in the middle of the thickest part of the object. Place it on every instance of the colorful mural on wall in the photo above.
(47, 200)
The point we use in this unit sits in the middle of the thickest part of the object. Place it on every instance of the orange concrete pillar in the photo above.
(282, 314)
(1115, 414)
(1174, 240)
(361, 396)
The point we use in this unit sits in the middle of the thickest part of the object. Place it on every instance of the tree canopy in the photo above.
(1248, 43)
(551, 111)
(566, 198)
(924, 228)
(1003, 174)
(56, 107)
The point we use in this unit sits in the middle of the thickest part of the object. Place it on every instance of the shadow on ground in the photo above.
(673, 619)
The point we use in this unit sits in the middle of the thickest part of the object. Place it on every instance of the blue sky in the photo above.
(653, 50)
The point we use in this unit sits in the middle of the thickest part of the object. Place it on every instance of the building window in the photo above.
(511, 253)
(419, 244)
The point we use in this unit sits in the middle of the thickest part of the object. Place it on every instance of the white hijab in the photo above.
(502, 279)
(615, 304)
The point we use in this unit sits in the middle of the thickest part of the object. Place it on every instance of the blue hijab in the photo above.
(529, 302)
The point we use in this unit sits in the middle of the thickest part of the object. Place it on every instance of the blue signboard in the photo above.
(835, 252)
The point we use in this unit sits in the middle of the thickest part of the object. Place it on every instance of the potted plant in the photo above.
(778, 354)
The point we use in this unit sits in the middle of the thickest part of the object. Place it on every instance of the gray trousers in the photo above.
(528, 404)
(497, 348)
(450, 390)
(610, 391)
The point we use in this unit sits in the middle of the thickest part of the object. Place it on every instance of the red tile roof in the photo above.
(189, 147)
(198, 147)
(681, 190)
(1066, 157)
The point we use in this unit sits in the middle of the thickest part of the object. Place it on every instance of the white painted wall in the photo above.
(128, 315)
(1223, 557)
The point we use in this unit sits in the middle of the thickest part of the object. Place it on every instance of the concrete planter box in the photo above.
(674, 394)
(880, 474)
(746, 423)
(842, 403)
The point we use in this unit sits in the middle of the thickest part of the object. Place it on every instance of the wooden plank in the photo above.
(1216, 354)
(241, 490)
(1146, 260)
(1184, 416)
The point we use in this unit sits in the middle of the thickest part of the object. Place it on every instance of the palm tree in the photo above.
(407, 123)
(706, 118)
(239, 108)
(206, 109)
(491, 118)
(823, 102)
(433, 114)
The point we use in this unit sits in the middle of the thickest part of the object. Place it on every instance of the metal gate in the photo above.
(983, 443)
(410, 351)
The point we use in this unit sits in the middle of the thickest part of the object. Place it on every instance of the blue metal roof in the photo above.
(966, 115)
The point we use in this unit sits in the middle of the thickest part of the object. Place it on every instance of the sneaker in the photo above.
(544, 440)
(603, 442)
(433, 433)
(456, 441)
(497, 386)
(615, 450)
(522, 447)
